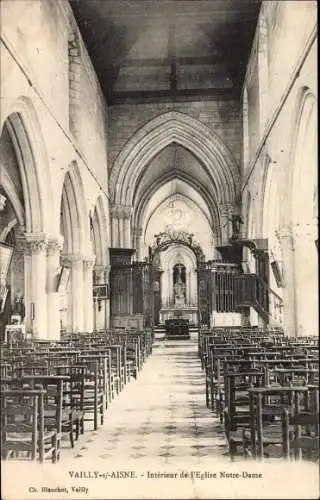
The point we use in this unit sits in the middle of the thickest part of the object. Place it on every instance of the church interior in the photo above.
(159, 232)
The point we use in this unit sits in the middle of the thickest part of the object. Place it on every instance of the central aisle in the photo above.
(161, 417)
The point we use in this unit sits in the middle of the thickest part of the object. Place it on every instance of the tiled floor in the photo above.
(161, 417)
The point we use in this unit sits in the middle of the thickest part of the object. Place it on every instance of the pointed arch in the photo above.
(159, 133)
(141, 208)
(74, 212)
(24, 128)
(100, 229)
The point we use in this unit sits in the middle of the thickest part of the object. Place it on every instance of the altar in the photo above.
(179, 309)
(183, 311)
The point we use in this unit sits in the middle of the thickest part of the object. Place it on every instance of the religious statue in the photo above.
(179, 287)
(236, 220)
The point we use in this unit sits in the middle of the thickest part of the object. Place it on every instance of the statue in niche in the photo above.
(179, 284)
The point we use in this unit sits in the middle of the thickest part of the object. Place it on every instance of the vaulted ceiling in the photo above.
(171, 49)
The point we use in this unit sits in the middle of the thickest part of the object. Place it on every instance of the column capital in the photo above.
(54, 245)
(284, 234)
(121, 211)
(73, 260)
(100, 268)
(21, 244)
(225, 209)
(36, 243)
(89, 261)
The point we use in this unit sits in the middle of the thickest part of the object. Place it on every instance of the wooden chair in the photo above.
(73, 400)
(302, 429)
(56, 417)
(237, 411)
(94, 389)
(263, 432)
(23, 433)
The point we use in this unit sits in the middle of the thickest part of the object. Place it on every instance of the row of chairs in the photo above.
(51, 389)
(264, 388)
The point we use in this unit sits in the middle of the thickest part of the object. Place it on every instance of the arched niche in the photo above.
(177, 254)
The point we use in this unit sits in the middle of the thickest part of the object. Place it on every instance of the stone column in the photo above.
(225, 210)
(75, 261)
(126, 214)
(36, 275)
(88, 263)
(138, 238)
(121, 231)
(306, 278)
(193, 287)
(170, 287)
(115, 227)
(121, 242)
(22, 254)
(53, 299)
(102, 308)
(285, 237)
(115, 232)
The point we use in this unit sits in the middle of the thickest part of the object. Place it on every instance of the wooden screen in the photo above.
(204, 295)
(224, 287)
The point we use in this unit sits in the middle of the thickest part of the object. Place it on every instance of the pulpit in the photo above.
(177, 329)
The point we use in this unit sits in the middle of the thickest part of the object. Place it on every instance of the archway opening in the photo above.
(75, 288)
(13, 221)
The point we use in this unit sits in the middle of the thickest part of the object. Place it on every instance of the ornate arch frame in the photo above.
(165, 240)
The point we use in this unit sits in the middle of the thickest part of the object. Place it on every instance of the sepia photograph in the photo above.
(159, 313)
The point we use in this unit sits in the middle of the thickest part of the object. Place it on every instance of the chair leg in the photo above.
(102, 412)
(71, 436)
(55, 449)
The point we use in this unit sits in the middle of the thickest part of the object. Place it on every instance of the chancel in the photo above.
(159, 238)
